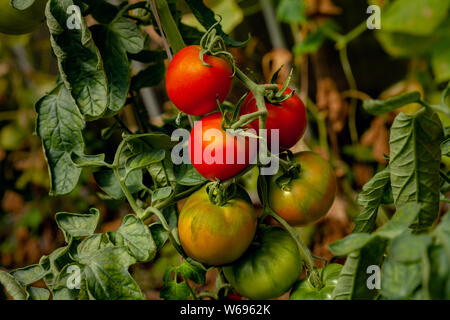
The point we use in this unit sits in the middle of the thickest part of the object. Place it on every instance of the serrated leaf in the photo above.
(398, 280)
(12, 286)
(377, 107)
(352, 280)
(415, 158)
(190, 271)
(370, 199)
(175, 291)
(79, 59)
(107, 276)
(59, 125)
(137, 238)
(76, 225)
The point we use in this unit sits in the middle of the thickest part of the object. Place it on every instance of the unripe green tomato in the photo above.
(268, 268)
(307, 198)
(14, 21)
(304, 290)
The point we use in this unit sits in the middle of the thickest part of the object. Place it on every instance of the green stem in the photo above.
(342, 41)
(321, 124)
(352, 83)
(127, 193)
(169, 26)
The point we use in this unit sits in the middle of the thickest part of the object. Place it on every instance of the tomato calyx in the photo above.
(214, 45)
(291, 170)
(220, 192)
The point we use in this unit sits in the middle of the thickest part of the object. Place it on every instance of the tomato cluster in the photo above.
(260, 261)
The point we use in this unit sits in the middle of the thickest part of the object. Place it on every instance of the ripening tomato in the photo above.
(217, 154)
(308, 197)
(193, 87)
(14, 21)
(270, 266)
(215, 234)
(289, 117)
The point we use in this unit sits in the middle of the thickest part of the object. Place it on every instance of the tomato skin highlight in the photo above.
(193, 87)
(209, 154)
(289, 117)
(308, 197)
(269, 269)
(304, 290)
(216, 235)
(14, 21)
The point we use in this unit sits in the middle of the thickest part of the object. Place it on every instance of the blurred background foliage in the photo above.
(337, 63)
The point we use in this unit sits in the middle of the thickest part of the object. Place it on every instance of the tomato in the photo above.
(193, 87)
(289, 117)
(217, 154)
(270, 266)
(13, 21)
(216, 235)
(308, 197)
(304, 290)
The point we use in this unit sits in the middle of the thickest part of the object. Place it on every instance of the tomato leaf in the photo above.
(107, 276)
(160, 236)
(28, 275)
(151, 76)
(415, 162)
(76, 225)
(116, 65)
(186, 175)
(352, 280)
(409, 248)
(136, 236)
(370, 199)
(438, 285)
(399, 280)
(79, 59)
(347, 245)
(36, 293)
(377, 107)
(108, 182)
(101, 10)
(12, 286)
(59, 125)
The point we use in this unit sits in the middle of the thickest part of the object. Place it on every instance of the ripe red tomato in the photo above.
(217, 154)
(308, 197)
(215, 234)
(289, 117)
(193, 87)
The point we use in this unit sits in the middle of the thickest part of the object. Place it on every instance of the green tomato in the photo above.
(268, 268)
(14, 21)
(304, 290)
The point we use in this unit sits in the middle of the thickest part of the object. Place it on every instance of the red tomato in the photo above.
(217, 154)
(193, 87)
(289, 117)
